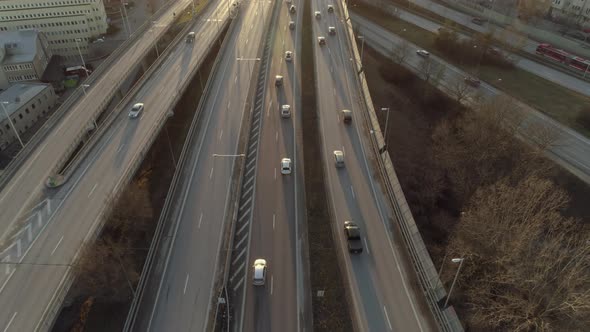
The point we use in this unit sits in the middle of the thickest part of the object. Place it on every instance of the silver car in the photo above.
(259, 272)
(136, 110)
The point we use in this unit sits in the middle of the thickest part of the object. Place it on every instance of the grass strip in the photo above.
(565, 106)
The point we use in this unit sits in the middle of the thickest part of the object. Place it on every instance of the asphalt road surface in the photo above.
(27, 183)
(185, 292)
(278, 214)
(385, 296)
(27, 289)
(571, 150)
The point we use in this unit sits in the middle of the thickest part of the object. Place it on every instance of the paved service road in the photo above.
(536, 68)
(385, 295)
(278, 215)
(28, 289)
(27, 184)
(185, 292)
(571, 150)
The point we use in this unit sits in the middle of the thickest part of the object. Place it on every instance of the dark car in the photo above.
(353, 235)
(472, 81)
(478, 20)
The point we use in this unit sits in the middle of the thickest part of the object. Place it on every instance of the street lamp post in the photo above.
(11, 124)
(362, 38)
(454, 260)
(78, 40)
(386, 109)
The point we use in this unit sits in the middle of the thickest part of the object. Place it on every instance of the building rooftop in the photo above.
(19, 94)
(19, 46)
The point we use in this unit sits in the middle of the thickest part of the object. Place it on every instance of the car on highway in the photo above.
(259, 276)
(286, 111)
(292, 9)
(346, 116)
(330, 9)
(278, 80)
(332, 30)
(136, 110)
(317, 14)
(338, 158)
(321, 40)
(423, 53)
(478, 20)
(288, 56)
(472, 81)
(286, 166)
(291, 25)
(190, 37)
(353, 237)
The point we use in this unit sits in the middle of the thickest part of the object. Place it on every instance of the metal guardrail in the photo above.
(447, 320)
(54, 306)
(42, 133)
(164, 215)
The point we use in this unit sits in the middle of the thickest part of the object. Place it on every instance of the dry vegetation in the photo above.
(478, 192)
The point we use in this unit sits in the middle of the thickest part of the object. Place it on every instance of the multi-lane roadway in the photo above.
(384, 293)
(31, 284)
(275, 233)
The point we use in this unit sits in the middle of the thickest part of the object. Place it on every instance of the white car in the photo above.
(288, 56)
(136, 110)
(286, 166)
(330, 9)
(321, 40)
(318, 14)
(292, 9)
(331, 30)
(259, 272)
(338, 158)
(423, 53)
(286, 111)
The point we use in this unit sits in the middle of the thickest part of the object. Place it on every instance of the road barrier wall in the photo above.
(447, 319)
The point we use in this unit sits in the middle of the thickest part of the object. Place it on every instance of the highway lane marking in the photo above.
(246, 40)
(7, 279)
(26, 171)
(367, 246)
(275, 173)
(185, 284)
(120, 147)
(200, 220)
(332, 69)
(228, 104)
(277, 136)
(92, 190)
(334, 90)
(273, 221)
(271, 284)
(10, 321)
(237, 259)
(236, 80)
(268, 109)
(387, 317)
(221, 134)
(239, 284)
(57, 245)
(343, 152)
(352, 191)
(211, 173)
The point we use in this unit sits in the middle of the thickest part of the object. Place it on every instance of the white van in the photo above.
(190, 37)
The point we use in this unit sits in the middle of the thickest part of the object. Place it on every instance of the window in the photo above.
(20, 116)
(27, 110)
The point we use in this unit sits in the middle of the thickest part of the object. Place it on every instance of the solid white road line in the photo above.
(57, 245)
(367, 246)
(10, 321)
(200, 219)
(211, 174)
(275, 173)
(387, 317)
(185, 284)
(92, 190)
(277, 136)
(271, 284)
(221, 134)
(273, 221)
(352, 191)
(120, 147)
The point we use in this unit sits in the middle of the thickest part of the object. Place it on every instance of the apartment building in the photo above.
(68, 24)
(575, 11)
(24, 55)
(25, 104)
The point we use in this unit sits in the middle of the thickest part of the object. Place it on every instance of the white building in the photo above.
(577, 11)
(24, 55)
(25, 103)
(68, 24)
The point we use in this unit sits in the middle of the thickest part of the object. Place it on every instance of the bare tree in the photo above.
(460, 90)
(431, 72)
(400, 51)
(526, 265)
